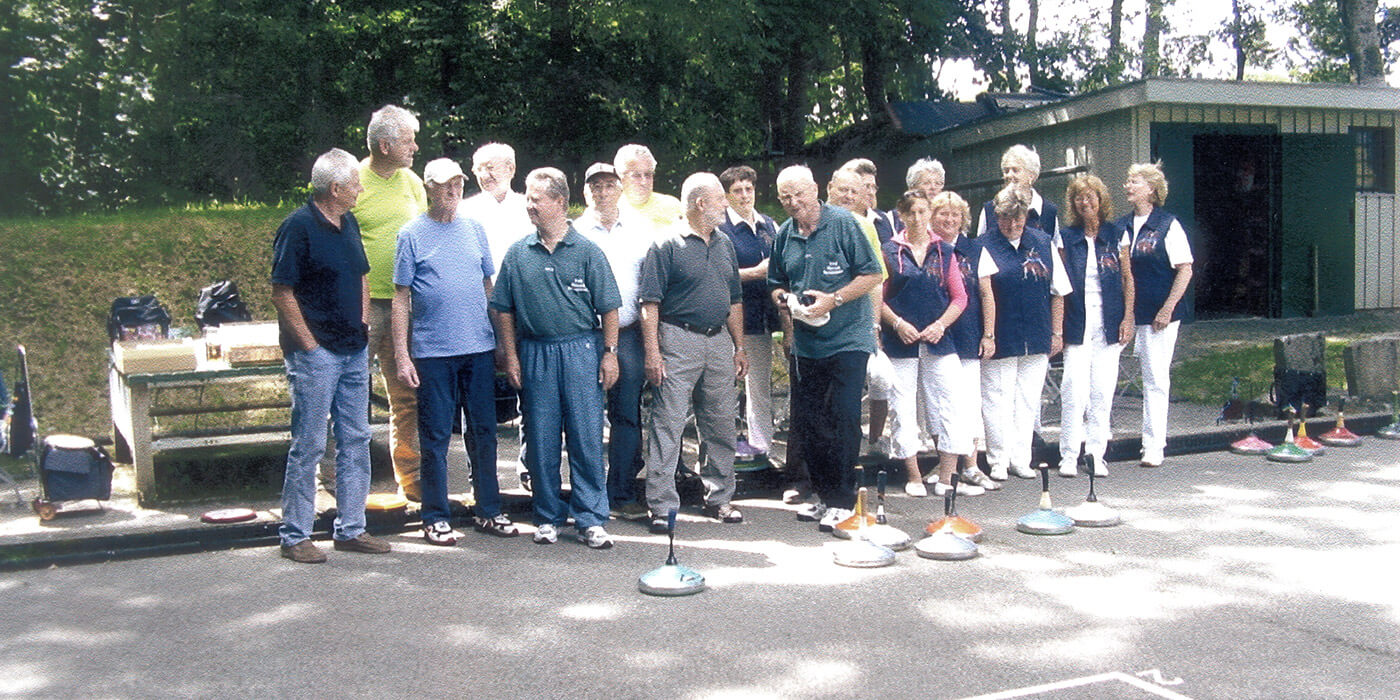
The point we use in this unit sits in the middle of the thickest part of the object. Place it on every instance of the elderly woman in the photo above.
(1161, 262)
(926, 176)
(923, 296)
(1096, 327)
(1021, 166)
(1029, 285)
(973, 331)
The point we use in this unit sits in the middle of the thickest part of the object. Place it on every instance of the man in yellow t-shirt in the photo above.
(393, 196)
(637, 167)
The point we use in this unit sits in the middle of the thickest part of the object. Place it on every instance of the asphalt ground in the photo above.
(1231, 577)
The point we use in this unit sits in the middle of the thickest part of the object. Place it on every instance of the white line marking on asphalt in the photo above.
(1109, 677)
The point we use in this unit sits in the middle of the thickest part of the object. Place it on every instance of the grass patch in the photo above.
(1207, 379)
(58, 277)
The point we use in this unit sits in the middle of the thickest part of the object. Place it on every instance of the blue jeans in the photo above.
(323, 384)
(448, 386)
(826, 419)
(625, 418)
(562, 394)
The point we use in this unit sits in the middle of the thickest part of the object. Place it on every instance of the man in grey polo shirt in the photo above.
(822, 256)
(692, 326)
(553, 292)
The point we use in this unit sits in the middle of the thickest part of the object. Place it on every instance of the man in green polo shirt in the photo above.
(822, 257)
(393, 196)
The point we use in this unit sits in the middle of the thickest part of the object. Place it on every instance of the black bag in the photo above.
(507, 400)
(1298, 388)
(137, 318)
(219, 303)
(76, 471)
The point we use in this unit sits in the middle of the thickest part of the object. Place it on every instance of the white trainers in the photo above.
(546, 534)
(976, 477)
(941, 489)
(999, 472)
(1069, 470)
(596, 537)
(833, 516)
(915, 489)
(811, 512)
(1023, 471)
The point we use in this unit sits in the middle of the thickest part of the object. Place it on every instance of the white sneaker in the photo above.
(915, 489)
(546, 534)
(1100, 469)
(1023, 471)
(999, 473)
(942, 489)
(812, 512)
(596, 538)
(1069, 470)
(833, 516)
(976, 477)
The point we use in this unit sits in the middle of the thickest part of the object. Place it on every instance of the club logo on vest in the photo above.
(1147, 241)
(1108, 261)
(832, 268)
(578, 285)
(1033, 267)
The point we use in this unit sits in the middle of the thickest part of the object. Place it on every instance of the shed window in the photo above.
(1375, 158)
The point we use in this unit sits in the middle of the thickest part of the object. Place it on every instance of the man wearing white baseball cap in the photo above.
(444, 346)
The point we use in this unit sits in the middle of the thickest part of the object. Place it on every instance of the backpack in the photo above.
(137, 318)
(219, 303)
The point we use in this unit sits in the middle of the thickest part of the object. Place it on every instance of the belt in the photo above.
(707, 331)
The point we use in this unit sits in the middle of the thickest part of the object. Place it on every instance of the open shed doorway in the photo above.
(1237, 213)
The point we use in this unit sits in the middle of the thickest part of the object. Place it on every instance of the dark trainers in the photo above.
(304, 552)
(500, 526)
(630, 511)
(364, 544)
(724, 513)
(440, 533)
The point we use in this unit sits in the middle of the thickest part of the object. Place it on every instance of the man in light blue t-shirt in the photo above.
(445, 346)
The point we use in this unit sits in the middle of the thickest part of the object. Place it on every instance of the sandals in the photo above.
(500, 526)
(440, 533)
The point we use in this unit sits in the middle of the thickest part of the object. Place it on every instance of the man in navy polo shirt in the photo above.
(322, 300)
(554, 291)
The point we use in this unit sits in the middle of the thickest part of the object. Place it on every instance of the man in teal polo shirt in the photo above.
(821, 256)
(553, 292)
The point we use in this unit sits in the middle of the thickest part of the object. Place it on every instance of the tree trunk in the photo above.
(1031, 52)
(1009, 43)
(1152, 40)
(874, 71)
(1363, 40)
(1237, 33)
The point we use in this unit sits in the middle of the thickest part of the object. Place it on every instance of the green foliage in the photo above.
(1206, 379)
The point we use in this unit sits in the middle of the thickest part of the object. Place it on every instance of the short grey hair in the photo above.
(920, 168)
(334, 167)
(492, 151)
(862, 166)
(695, 185)
(1013, 201)
(387, 123)
(1024, 157)
(556, 184)
(631, 152)
(796, 173)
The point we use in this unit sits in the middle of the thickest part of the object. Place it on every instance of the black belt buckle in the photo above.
(708, 332)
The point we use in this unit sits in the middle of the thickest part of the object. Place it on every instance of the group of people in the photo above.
(680, 298)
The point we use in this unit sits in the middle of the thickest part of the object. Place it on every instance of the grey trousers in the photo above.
(701, 369)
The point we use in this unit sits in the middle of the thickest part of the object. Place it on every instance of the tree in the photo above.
(1154, 28)
(1245, 33)
(1362, 40)
(1321, 53)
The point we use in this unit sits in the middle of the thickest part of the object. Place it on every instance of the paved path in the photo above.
(1239, 577)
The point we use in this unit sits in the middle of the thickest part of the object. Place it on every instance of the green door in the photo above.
(1318, 239)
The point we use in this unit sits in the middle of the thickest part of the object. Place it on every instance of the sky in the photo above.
(1185, 17)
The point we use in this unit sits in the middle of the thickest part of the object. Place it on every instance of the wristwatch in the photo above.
(839, 299)
(610, 349)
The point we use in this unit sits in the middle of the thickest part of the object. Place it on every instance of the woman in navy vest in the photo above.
(975, 328)
(923, 296)
(1021, 166)
(1096, 326)
(1029, 285)
(1161, 261)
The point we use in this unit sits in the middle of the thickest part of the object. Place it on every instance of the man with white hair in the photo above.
(1021, 166)
(886, 223)
(823, 259)
(321, 292)
(693, 330)
(393, 196)
(499, 209)
(637, 167)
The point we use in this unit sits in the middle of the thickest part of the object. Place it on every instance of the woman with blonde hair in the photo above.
(1161, 262)
(1096, 325)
